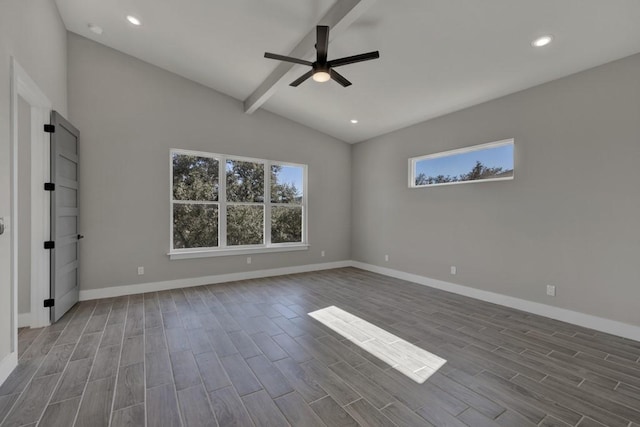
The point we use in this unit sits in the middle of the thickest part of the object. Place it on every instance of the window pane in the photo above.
(245, 225)
(286, 224)
(195, 178)
(472, 165)
(286, 184)
(195, 226)
(245, 181)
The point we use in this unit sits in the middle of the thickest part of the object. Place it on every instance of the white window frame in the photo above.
(223, 249)
(414, 160)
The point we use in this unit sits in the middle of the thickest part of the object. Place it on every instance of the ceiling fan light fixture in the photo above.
(321, 76)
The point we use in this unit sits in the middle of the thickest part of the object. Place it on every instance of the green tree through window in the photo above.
(286, 210)
(200, 210)
(479, 171)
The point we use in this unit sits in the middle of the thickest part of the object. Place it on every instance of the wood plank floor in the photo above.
(246, 353)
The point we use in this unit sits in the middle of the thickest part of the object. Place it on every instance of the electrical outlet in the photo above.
(140, 271)
(248, 260)
(454, 270)
(386, 258)
(322, 253)
(551, 290)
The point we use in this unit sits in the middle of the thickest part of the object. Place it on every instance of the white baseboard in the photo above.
(24, 320)
(7, 365)
(117, 291)
(581, 319)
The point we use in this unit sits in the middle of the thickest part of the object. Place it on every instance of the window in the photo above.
(286, 203)
(219, 205)
(485, 162)
(245, 203)
(195, 201)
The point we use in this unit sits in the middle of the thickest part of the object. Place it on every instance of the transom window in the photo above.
(485, 162)
(222, 205)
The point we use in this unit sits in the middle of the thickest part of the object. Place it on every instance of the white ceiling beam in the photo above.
(341, 15)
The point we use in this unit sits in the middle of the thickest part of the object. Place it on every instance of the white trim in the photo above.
(305, 204)
(116, 291)
(414, 160)
(40, 217)
(222, 207)
(24, 320)
(472, 181)
(266, 213)
(7, 365)
(191, 253)
(581, 319)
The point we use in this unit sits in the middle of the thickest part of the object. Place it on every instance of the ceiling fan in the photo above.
(323, 70)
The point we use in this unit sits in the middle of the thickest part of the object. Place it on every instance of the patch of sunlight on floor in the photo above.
(413, 361)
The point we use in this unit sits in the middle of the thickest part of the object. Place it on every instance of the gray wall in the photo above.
(130, 114)
(33, 33)
(24, 206)
(569, 218)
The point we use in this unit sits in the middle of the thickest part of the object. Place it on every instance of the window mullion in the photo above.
(267, 203)
(171, 153)
(222, 198)
(194, 202)
(305, 201)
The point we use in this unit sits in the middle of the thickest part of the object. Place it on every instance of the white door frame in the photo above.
(22, 85)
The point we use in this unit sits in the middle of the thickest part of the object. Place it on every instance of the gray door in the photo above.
(64, 216)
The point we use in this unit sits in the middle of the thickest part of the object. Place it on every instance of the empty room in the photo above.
(320, 213)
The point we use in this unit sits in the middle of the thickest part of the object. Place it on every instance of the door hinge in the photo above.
(49, 303)
(49, 128)
(49, 244)
(49, 186)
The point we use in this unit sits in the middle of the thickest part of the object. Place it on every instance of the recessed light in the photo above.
(354, 121)
(94, 28)
(542, 41)
(135, 21)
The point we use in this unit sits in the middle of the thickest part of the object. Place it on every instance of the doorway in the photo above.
(45, 202)
(30, 206)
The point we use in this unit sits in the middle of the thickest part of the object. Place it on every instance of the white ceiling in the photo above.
(437, 56)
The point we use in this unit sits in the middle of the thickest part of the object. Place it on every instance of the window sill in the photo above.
(473, 181)
(236, 251)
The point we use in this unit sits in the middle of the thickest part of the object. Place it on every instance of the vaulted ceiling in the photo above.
(437, 56)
